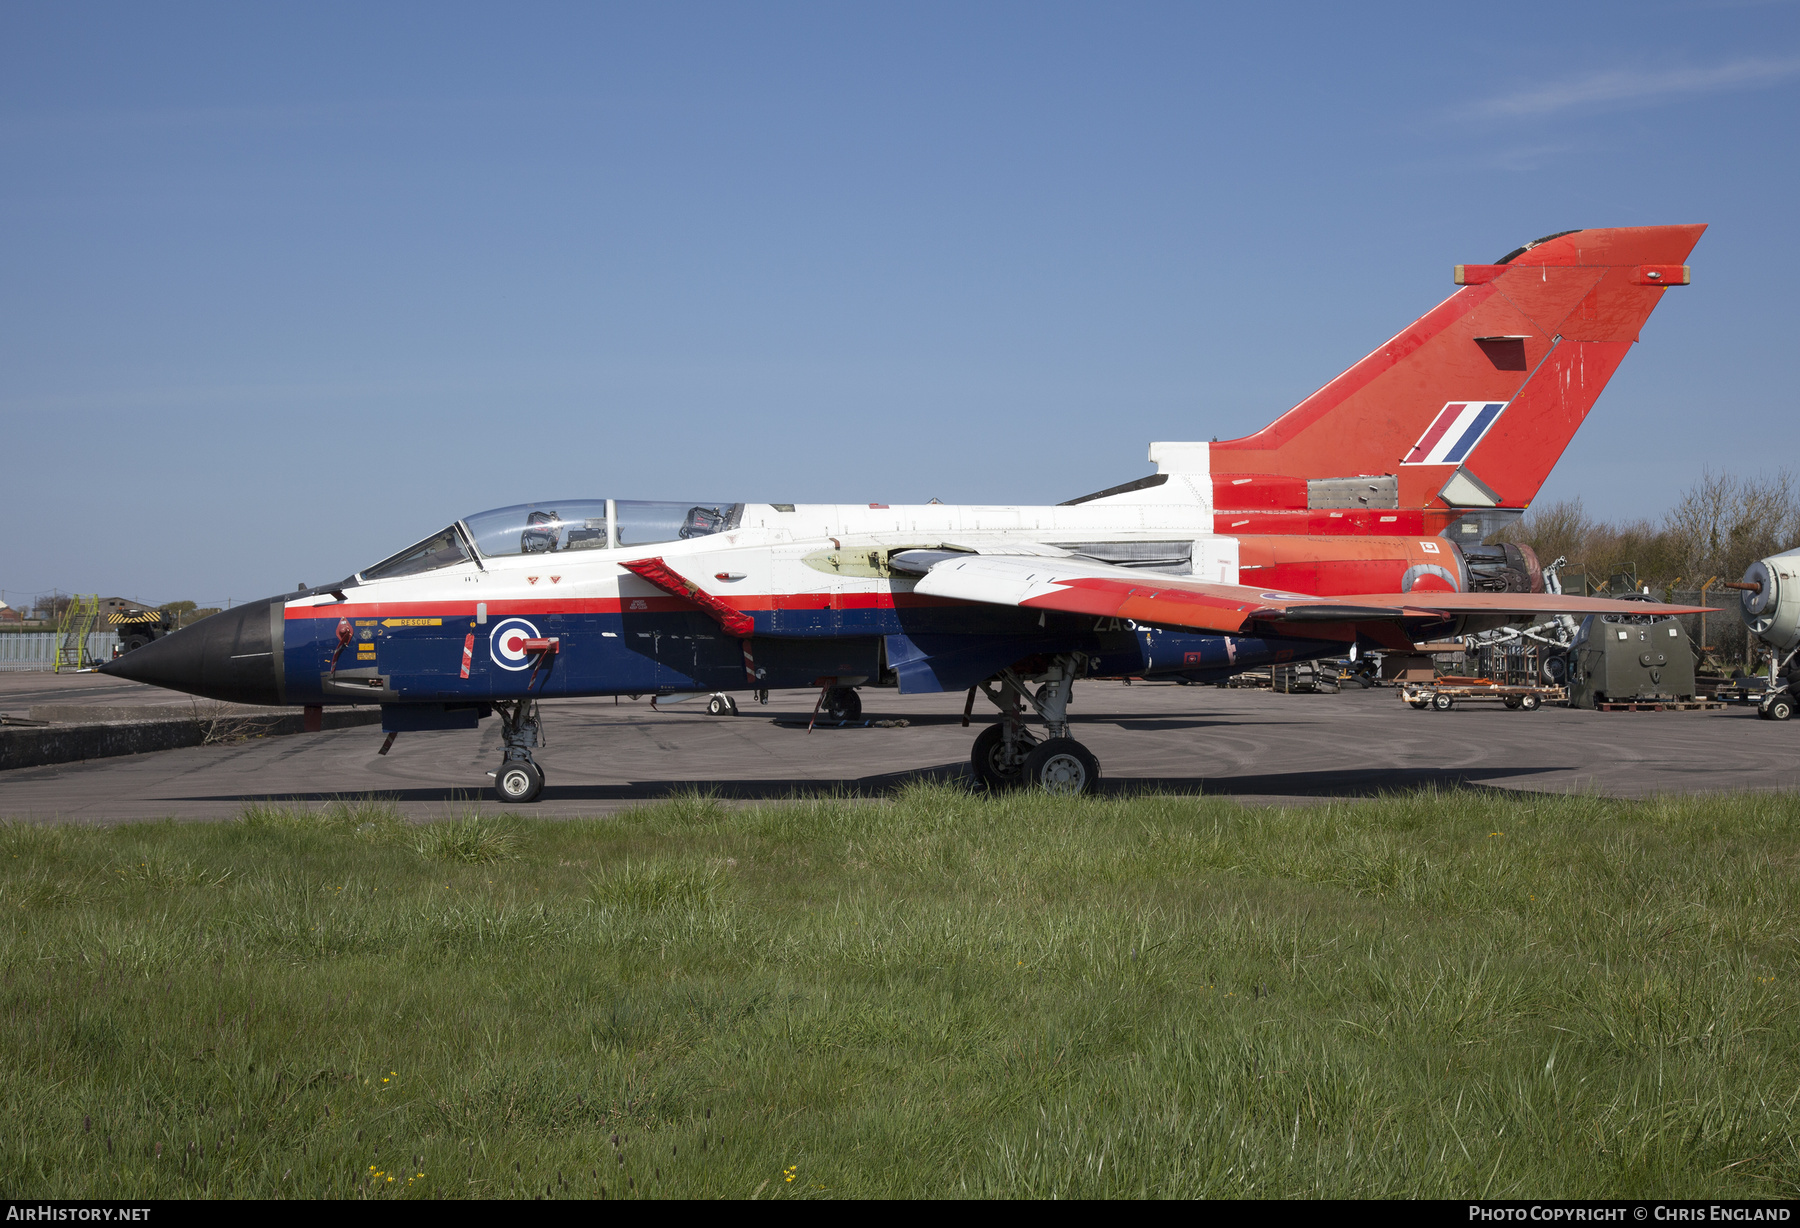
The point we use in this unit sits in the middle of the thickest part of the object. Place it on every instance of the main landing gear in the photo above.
(842, 703)
(1008, 755)
(519, 779)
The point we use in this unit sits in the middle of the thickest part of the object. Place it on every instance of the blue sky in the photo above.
(284, 289)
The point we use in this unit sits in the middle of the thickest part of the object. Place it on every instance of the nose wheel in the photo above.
(1008, 756)
(519, 782)
(519, 779)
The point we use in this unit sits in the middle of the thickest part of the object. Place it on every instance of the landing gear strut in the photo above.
(519, 779)
(1007, 755)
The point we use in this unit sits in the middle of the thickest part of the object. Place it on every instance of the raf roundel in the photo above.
(506, 643)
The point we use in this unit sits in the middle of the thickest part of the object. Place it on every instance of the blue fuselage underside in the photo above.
(612, 652)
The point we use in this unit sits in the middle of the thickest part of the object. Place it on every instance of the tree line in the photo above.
(1717, 528)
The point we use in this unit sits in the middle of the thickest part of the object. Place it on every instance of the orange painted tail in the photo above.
(1463, 415)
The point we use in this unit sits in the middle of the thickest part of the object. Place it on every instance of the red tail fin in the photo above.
(1467, 410)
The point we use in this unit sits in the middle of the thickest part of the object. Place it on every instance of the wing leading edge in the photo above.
(1077, 585)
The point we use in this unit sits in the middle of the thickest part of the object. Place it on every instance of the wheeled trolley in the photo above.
(1445, 693)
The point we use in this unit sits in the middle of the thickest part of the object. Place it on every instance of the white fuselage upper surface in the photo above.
(765, 553)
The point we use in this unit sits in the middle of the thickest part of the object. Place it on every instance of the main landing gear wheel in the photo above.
(842, 703)
(1006, 756)
(993, 766)
(1064, 766)
(722, 705)
(1442, 703)
(519, 782)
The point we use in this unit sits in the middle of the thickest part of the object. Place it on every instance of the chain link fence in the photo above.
(36, 650)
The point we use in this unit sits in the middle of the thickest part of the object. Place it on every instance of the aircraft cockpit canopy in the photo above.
(642, 521)
(595, 524)
(552, 528)
(539, 528)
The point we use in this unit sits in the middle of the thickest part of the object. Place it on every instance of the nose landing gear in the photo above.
(519, 779)
(1007, 755)
(519, 782)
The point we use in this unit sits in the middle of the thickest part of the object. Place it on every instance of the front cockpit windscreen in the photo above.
(540, 528)
(442, 549)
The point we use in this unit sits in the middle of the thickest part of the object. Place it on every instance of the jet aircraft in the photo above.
(1358, 518)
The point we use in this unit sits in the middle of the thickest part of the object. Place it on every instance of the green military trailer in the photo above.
(1630, 658)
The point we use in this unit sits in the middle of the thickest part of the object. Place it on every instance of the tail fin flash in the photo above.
(1464, 413)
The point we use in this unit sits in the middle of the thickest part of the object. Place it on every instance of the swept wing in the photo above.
(1075, 585)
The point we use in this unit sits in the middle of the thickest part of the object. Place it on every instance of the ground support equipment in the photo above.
(1442, 695)
(1659, 705)
(72, 632)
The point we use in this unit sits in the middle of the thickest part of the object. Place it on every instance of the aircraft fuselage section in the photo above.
(822, 608)
(400, 654)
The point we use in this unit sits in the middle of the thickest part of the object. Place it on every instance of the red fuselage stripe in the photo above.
(613, 605)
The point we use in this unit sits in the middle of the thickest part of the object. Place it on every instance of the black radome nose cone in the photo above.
(233, 656)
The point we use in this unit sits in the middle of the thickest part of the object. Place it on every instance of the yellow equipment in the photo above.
(72, 633)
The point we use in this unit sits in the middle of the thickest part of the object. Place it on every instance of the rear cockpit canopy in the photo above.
(556, 527)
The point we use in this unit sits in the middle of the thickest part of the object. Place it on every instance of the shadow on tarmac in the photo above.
(1362, 782)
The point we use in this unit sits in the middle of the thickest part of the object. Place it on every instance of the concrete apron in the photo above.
(76, 732)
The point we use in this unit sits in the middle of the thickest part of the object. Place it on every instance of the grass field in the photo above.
(1454, 994)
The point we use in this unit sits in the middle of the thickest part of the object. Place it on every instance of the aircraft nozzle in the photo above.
(234, 656)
